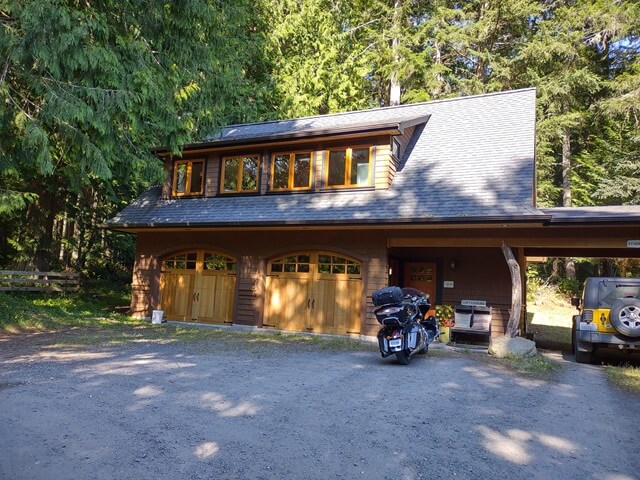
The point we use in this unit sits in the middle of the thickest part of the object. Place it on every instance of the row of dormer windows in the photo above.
(288, 171)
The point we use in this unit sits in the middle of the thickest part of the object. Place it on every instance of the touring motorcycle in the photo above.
(405, 330)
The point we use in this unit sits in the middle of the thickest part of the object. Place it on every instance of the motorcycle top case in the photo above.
(387, 296)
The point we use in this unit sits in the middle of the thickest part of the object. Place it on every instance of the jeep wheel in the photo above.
(581, 357)
(625, 316)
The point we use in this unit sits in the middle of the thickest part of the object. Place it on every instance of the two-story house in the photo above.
(293, 224)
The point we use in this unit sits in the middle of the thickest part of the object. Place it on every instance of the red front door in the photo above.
(422, 276)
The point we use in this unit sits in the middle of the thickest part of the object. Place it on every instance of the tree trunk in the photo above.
(570, 268)
(566, 168)
(394, 93)
(44, 221)
(567, 200)
(516, 291)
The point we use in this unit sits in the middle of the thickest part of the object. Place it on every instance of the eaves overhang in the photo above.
(593, 216)
(518, 221)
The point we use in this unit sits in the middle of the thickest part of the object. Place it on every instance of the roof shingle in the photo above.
(473, 160)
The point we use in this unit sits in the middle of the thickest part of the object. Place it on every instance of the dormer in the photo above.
(346, 151)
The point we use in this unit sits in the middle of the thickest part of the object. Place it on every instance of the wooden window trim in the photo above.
(239, 173)
(290, 181)
(187, 189)
(347, 169)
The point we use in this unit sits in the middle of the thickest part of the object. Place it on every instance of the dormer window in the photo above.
(291, 171)
(240, 174)
(348, 167)
(188, 178)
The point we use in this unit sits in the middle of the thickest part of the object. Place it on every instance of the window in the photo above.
(188, 177)
(240, 174)
(182, 261)
(395, 148)
(291, 171)
(337, 265)
(291, 264)
(214, 261)
(348, 167)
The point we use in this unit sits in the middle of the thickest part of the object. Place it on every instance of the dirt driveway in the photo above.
(258, 409)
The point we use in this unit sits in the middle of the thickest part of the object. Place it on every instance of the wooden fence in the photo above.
(18, 281)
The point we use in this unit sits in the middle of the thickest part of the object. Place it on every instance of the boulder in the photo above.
(501, 347)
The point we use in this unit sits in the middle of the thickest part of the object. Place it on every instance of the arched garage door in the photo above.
(199, 286)
(319, 292)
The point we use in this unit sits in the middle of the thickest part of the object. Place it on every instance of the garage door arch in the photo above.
(198, 285)
(317, 291)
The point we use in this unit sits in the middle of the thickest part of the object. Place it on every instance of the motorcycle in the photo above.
(405, 330)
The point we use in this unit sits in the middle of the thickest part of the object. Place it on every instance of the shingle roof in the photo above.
(473, 161)
(348, 121)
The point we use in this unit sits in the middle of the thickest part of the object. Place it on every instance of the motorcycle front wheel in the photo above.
(403, 357)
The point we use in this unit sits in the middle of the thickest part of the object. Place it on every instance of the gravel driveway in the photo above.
(247, 408)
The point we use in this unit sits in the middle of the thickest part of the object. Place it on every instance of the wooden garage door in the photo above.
(198, 286)
(318, 292)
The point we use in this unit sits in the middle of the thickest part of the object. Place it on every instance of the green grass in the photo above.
(93, 318)
(625, 376)
(28, 312)
(549, 316)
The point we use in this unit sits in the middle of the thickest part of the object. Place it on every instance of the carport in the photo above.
(463, 253)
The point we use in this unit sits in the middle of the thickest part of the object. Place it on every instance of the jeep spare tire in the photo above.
(625, 316)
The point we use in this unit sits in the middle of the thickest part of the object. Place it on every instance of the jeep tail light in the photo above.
(587, 316)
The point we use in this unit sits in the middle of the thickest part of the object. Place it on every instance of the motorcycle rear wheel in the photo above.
(403, 357)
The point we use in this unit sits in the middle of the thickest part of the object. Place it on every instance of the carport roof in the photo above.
(585, 215)
(470, 160)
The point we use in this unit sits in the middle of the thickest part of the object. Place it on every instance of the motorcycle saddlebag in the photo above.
(387, 296)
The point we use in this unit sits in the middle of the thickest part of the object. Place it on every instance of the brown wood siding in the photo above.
(404, 140)
(265, 172)
(144, 284)
(392, 163)
(249, 291)
(382, 164)
(377, 276)
(318, 163)
(212, 176)
(168, 178)
(479, 274)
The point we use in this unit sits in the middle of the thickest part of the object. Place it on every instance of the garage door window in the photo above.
(337, 265)
(217, 262)
(183, 261)
(291, 264)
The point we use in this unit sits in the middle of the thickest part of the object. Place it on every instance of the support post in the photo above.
(516, 291)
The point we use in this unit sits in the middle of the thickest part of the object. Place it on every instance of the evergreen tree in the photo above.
(87, 88)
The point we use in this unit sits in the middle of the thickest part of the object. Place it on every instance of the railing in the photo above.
(20, 281)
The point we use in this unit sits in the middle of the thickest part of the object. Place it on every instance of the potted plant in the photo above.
(444, 317)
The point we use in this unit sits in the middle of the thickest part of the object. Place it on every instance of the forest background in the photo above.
(88, 88)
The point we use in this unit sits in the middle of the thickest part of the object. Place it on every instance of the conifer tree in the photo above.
(87, 88)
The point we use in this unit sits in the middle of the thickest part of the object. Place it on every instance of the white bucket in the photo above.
(157, 316)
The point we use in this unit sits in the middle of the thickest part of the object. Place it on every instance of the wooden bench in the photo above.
(23, 281)
(471, 319)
